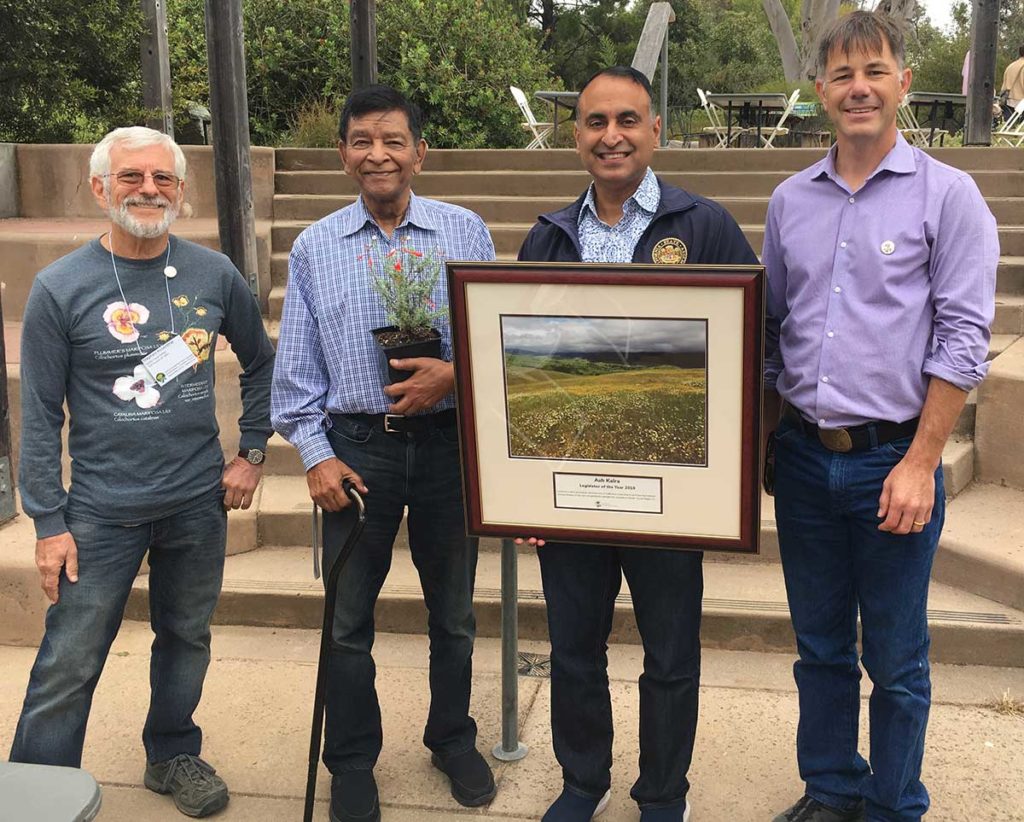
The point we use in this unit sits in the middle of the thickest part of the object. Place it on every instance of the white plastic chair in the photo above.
(718, 127)
(540, 131)
(1012, 132)
(769, 133)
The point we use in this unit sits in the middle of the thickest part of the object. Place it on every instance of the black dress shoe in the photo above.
(354, 797)
(471, 777)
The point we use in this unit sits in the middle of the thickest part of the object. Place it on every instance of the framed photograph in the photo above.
(612, 404)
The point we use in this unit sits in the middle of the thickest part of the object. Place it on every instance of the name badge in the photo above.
(172, 358)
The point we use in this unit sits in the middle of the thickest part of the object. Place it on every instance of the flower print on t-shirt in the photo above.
(123, 320)
(140, 387)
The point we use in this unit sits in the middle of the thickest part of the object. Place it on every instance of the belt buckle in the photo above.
(388, 429)
(836, 439)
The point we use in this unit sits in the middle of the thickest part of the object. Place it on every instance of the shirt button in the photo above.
(824, 379)
(842, 245)
(837, 289)
(821, 421)
(831, 334)
(851, 199)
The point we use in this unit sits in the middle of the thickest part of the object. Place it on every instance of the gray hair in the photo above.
(862, 31)
(133, 137)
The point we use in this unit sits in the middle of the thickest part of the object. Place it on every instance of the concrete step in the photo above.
(508, 236)
(567, 183)
(1010, 274)
(997, 434)
(744, 606)
(734, 159)
(500, 208)
(982, 548)
(29, 245)
(1009, 317)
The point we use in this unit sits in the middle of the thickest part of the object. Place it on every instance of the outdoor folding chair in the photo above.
(718, 128)
(907, 123)
(541, 131)
(769, 133)
(1012, 132)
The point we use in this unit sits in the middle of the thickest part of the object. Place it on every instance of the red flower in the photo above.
(398, 266)
(414, 253)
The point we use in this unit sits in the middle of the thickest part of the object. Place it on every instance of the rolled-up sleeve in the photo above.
(965, 254)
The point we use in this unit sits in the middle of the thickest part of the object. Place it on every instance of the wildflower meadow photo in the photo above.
(606, 389)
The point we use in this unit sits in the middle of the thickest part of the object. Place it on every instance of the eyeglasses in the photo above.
(134, 179)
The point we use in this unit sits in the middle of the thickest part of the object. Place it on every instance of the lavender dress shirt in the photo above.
(871, 293)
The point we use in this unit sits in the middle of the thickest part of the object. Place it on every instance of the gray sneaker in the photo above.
(809, 809)
(191, 782)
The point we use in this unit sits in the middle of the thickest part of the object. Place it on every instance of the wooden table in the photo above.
(932, 100)
(563, 99)
(744, 105)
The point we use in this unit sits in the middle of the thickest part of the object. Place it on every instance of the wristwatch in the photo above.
(253, 455)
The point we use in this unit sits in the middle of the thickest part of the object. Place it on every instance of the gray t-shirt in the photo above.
(140, 451)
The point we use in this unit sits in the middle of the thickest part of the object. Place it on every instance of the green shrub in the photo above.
(315, 125)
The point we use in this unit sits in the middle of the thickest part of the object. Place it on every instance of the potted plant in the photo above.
(405, 279)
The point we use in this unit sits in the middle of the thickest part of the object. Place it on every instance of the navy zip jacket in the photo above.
(709, 232)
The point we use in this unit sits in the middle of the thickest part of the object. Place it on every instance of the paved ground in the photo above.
(256, 714)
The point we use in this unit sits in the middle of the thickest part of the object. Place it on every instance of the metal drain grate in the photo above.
(536, 665)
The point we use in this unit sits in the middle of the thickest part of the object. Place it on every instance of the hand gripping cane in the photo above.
(330, 594)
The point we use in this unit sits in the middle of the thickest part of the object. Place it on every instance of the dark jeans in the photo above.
(186, 559)
(424, 475)
(580, 586)
(837, 563)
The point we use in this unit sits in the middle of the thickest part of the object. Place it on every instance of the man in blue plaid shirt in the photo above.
(397, 444)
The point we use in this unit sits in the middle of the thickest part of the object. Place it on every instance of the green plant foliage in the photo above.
(315, 125)
(405, 279)
(456, 60)
(69, 71)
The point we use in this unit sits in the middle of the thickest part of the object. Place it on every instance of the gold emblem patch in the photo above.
(670, 251)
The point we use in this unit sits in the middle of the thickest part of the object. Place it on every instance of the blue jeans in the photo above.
(186, 559)
(581, 583)
(425, 475)
(836, 563)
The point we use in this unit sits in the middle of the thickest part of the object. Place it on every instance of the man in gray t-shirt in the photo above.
(124, 331)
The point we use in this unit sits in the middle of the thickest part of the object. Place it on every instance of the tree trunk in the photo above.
(898, 9)
(783, 31)
(818, 17)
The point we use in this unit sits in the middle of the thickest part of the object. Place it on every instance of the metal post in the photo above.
(664, 91)
(510, 748)
(982, 77)
(230, 114)
(156, 67)
(363, 25)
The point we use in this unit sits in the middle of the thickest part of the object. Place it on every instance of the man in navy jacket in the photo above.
(626, 215)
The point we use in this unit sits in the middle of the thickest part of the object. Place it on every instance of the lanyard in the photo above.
(167, 285)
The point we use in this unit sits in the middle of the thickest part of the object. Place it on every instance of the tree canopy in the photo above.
(70, 69)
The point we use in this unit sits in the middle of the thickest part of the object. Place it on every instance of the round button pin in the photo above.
(888, 247)
(170, 272)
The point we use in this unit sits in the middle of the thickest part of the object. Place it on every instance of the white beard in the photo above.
(122, 218)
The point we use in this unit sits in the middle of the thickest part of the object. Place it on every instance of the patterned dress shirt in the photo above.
(327, 360)
(602, 243)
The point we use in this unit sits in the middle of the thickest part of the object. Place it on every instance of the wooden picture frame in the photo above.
(610, 404)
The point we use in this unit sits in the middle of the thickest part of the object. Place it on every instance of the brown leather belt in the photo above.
(417, 426)
(856, 438)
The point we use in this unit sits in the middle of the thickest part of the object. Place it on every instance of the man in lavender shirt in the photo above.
(881, 277)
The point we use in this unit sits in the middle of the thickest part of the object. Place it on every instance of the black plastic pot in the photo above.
(419, 348)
